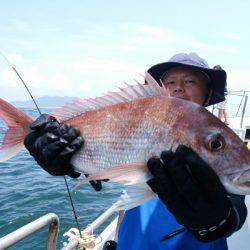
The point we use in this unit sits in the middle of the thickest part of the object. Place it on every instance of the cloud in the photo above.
(233, 36)
(143, 35)
(150, 30)
(20, 25)
(144, 38)
(85, 87)
(82, 78)
(119, 57)
(58, 81)
(97, 76)
(128, 48)
(31, 75)
(15, 58)
(238, 79)
(9, 78)
(213, 48)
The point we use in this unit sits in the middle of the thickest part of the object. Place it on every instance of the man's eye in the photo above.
(169, 82)
(190, 81)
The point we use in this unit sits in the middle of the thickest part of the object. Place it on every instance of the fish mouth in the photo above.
(238, 183)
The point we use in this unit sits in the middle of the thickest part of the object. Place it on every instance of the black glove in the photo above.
(191, 190)
(53, 145)
(110, 245)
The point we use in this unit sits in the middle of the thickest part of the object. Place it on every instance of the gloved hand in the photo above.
(53, 145)
(190, 189)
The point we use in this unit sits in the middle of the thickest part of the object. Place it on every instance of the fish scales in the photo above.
(125, 133)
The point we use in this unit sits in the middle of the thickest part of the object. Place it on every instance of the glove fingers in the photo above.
(184, 183)
(61, 130)
(168, 156)
(63, 148)
(171, 197)
(76, 144)
(51, 126)
(33, 136)
(97, 185)
(71, 135)
(203, 171)
(156, 167)
(208, 180)
(212, 187)
(163, 185)
(53, 145)
(41, 121)
(70, 171)
(154, 185)
(40, 143)
(52, 150)
(66, 154)
(74, 174)
(66, 132)
(51, 137)
(30, 139)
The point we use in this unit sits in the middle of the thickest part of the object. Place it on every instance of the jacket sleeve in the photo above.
(233, 223)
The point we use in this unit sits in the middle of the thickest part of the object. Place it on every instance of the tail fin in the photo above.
(18, 126)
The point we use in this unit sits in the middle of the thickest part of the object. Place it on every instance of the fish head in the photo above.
(229, 156)
(222, 149)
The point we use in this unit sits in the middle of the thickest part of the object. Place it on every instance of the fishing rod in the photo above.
(39, 111)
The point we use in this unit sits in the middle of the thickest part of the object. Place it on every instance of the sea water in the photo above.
(27, 192)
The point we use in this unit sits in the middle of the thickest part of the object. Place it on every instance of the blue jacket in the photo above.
(143, 228)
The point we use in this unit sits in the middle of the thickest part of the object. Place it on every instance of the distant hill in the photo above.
(45, 102)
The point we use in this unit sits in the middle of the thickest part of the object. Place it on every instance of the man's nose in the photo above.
(179, 87)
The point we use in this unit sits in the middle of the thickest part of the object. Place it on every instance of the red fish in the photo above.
(122, 130)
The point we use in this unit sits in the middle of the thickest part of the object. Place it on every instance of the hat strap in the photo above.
(208, 97)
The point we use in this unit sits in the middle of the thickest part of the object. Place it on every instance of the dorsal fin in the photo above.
(148, 89)
(154, 85)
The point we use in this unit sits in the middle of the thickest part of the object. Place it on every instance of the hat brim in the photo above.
(218, 78)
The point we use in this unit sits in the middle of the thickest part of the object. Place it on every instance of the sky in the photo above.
(85, 48)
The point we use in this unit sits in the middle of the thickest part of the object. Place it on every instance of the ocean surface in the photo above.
(27, 192)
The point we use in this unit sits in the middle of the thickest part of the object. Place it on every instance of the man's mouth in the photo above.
(181, 96)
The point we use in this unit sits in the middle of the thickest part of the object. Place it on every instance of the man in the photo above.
(194, 203)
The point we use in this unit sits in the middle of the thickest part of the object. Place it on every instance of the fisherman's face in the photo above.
(186, 83)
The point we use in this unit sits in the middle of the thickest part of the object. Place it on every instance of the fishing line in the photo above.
(21, 81)
(39, 111)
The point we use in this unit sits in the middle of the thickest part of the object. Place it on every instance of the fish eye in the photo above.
(216, 143)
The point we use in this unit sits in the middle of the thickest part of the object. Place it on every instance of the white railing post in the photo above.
(50, 219)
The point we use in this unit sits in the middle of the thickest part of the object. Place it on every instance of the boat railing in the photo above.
(242, 105)
(50, 220)
(236, 105)
(74, 238)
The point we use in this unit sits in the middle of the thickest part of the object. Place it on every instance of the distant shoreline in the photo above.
(42, 107)
(45, 102)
